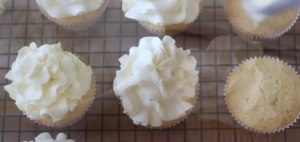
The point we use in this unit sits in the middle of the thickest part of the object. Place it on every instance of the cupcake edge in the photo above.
(80, 26)
(256, 38)
(182, 118)
(180, 29)
(239, 122)
(75, 120)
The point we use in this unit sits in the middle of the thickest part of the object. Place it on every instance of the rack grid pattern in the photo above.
(101, 46)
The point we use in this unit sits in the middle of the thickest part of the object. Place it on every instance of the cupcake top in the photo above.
(251, 22)
(46, 137)
(2, 6)
(263, 94)
(47, 82)
(162, 12)
(155, 81)
(68, 8)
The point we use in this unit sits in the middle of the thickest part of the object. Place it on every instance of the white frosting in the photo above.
(2, 5)
(162, 12)
(46, 137)
(68, 8)
(156, 81)
(47, 81)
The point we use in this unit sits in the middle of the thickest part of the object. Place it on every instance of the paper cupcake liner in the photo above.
(239, 122)
(256, 38)
(188, 112)
(75, 120)
(172, 31)
(80, 26)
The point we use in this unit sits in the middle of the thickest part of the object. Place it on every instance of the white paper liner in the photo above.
(257, 38)
(188, 112)
(81, 25)
(75, 120)
(239, 122)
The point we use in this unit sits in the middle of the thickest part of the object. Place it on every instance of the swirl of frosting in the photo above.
(69, 8)
(47, 81)
(155, 81)
(162, 12)
(46, 137)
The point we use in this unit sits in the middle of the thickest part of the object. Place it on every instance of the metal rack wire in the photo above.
(101, 46)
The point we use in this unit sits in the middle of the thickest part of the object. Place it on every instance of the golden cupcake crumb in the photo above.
(264, 94)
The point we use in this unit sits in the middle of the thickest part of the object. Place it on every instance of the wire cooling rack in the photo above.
(101, 46)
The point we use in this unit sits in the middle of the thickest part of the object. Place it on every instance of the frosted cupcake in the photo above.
(163, 17)
(74, 15)
(256, 27)
(46, 137)
(157, 82)
(50, 86)
(263, 95)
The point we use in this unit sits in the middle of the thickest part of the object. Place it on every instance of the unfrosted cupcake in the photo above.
(46, 137)
(157, 82)
(50, 86)
(253, 26)
(163, 17)
(263, 95)
(74, 15)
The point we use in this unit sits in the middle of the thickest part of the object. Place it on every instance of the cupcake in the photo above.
(74, 15)
(162, 17)
(46, 137)
(157, 83)
(256, 27)
(263, 95)
(50, 86)
(2, 6)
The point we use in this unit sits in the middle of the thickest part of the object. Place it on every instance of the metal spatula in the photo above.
(272, 6)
